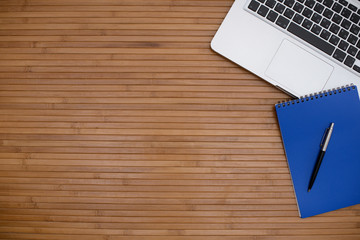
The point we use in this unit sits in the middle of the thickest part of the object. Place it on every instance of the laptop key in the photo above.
(343, 2)
(352, 50)
(337, 7)
(334, 40)
(328, 13)
(310, 3)
(352, 7)
(352, 39)
(279, 8)
(289, 13)
(282, 22)
(307, 24)
(358, 56)
(253, 5)
(272, 16)
(270, 3)
(328, 3)
(334, 28)
(343, 34)
(298, 7)
(311, 38)
(345, 24)
(263, 10)
(298, 18)
(343, 45)
(346, 12)
(316, 29)
(356, 68)
(339, 55)
(349, 61)
(289, 3)
(337, 18)
(307, 12)
(319, 8)
(325, 34)
(325, 23)
(316, 18)
(355, 29)
(355, 18)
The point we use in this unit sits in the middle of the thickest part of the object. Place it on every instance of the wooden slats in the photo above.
(118, 122)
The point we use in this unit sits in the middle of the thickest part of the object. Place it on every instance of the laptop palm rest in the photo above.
(298, 70)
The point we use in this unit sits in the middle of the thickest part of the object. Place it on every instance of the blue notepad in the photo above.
(302, 124)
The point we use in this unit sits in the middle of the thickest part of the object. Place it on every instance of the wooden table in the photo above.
(118, 122)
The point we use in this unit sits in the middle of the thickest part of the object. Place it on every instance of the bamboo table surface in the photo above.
(118, 122)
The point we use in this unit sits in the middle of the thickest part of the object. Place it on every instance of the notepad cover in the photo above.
(302, 125)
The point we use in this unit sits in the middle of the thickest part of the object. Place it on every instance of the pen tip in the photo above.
(308, 189)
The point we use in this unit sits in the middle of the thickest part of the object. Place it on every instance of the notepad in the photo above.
(302, 124)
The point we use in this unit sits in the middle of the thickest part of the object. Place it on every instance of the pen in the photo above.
(323, 145)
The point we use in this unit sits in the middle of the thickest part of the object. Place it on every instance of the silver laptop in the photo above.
(300, 46)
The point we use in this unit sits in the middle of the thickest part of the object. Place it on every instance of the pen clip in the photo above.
(324, 137)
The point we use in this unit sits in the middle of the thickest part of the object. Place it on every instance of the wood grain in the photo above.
(118, 122)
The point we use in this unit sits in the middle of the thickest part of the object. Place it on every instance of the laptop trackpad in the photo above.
(298, 70)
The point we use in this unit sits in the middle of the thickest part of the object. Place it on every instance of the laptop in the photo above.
(299, 46)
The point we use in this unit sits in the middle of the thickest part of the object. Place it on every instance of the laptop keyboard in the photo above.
(328, 25)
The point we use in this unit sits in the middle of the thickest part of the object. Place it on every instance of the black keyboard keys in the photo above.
(279, 8)
(337, 18)
(282, 22)
(263, 10)
(349, 61)
(307, 24)
(355, 18)
(309, 3)
(356, 68)
(311, 38)
(253, 5)
(345, 24)
(339, 55)
(270, 3)
(289, 3)
(316, 18)
(343, 34)
(352, 39)
(343, 45)
(307, 12)
(334, 39)
(328, 13)
(334, 28)
(352, 50)
(337, 7)
(325, 23)
(298, 7)
(298, 18)
(328, 25)
(289, 13)
(272, 16)
(319, 8)
(325, 34)
(355, 29)
(346, 12)
(316, 29)
(328, 3)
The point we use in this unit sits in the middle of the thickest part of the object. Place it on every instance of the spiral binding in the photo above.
(316, 95)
